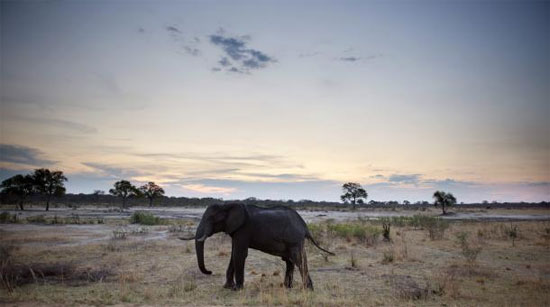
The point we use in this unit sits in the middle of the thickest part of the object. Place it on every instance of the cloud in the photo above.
(240, 189)
(235, 48)
(204, 189)
(65, 124)
(407, 179)
(173, 29)
(188, 46)
(114, 171)
(309, 54)
(350, 59)
(357, 58)
(23, 155)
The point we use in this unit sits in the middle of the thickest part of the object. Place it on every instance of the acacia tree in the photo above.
(353, 192)
(151, 191)
(444, 200)
(20, 186)
(124, 189)
(49, 183)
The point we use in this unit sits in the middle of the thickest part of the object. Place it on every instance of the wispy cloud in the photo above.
(66, 124)
(204, 189)
(407, 179)
(309, 54)
(114, 171)
(358, 58)
(23, 155)
(189, 46)
(239, 57)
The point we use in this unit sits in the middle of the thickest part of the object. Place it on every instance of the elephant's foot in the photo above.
(237, 287)
(229, 285)
(288, 284)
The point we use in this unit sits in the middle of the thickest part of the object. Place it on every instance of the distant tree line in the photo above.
(42, 186)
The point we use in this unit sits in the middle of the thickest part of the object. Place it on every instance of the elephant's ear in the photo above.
(236, 217)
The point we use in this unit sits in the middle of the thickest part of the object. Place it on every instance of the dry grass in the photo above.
(145, 271)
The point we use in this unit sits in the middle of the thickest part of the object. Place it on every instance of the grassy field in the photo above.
(114, 262)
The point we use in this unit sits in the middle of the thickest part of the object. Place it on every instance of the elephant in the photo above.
(278, 231)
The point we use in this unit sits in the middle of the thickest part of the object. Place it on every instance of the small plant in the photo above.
(353, 260)
(386, 225)
(436, 227)
(7, 278)
(388, 256)
(140, 231)
(39, 219)
(119, 234)
(469, 252)
(145, 218)
(512, 233)
(6, 217)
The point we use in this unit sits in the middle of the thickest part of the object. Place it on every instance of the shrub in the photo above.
(145, 218)
(436, 227)
(36, 219)
(7, 279)
(363, 233)
(119, 234)
(469, 252)
(388, 256)
(6, 217)
(386, 225)
(512, 233)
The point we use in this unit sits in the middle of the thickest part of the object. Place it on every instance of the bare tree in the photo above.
(353, 192)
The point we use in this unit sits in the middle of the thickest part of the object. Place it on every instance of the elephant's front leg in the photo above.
(239, 254)
(229, 274)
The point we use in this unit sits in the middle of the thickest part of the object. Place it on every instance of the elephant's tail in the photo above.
(308, 235)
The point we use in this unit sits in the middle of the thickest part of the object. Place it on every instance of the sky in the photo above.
(281, 99)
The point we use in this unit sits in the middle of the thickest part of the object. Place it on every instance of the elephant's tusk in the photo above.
(201, 239)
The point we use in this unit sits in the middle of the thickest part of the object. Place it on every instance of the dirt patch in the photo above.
(16, 275)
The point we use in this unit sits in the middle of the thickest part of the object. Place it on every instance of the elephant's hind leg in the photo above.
(289, 274)
(300, 258)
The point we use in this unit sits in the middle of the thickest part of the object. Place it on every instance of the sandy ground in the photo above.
(150, 266)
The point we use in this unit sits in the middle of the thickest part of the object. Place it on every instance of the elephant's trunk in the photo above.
(202, 233)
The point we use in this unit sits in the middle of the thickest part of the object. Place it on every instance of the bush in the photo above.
(512, 233)
(363, 233)
(119, 234)
(469, 252)
(145, 218)
(388, 256)
(436, 227)
(40, 219)
(6, 217)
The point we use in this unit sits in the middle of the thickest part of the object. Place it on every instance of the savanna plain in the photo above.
(413, 259)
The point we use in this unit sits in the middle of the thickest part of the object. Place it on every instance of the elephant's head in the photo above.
(217, 218)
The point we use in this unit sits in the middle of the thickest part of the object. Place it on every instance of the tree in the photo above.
(49, 183)
(151, 191)
(124, 189)
(19, 186)
(444, 200)
(352, 193)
